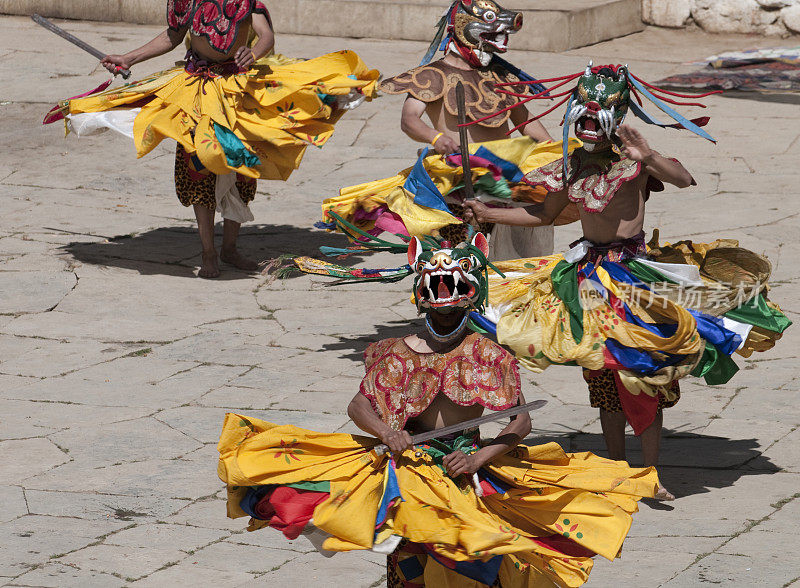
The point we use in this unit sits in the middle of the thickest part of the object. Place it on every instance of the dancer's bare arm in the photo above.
(361, 413)
(671, 171)
(246, 56)
(459, 462)
(165, 42)
(411, 124)
(535, 130)
(536, 215)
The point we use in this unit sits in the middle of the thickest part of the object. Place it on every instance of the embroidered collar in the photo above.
(594, 178)
(401, 383)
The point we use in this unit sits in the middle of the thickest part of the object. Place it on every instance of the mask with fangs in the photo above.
(602, 100)
(450, 277)
(478, 28)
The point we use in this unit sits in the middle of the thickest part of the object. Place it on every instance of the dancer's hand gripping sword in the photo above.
(41, 21)
(489, 418)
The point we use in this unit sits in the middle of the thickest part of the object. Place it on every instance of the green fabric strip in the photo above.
(717, 368)
(646, 273)
(438, 450)
(757, 312)
(323, 486)
(565, 283)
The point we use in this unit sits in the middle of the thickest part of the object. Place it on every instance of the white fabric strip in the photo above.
(92, 123)
(741, 329)
(683, 274)
(229, 203)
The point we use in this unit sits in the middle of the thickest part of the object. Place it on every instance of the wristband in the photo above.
(436, 138)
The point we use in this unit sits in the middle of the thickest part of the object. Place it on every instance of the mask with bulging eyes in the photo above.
(479, 28)
(450, 277)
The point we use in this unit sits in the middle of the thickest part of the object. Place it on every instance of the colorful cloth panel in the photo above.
(652, 321)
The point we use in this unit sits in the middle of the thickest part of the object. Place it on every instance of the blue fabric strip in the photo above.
(483, 322)
(236, 153)
(420, 184)
(712, 329)
(252, 498)
(687, 124)
(495, 483)
(640, 361)
(565, 139)
(390, 494)
(485, 572)
(510, 171)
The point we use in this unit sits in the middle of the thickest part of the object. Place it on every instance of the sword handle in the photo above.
(125, 73)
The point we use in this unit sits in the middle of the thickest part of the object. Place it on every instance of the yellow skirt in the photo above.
(550, 498)
(256, 123)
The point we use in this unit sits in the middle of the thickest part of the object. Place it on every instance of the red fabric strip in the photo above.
(289, 509)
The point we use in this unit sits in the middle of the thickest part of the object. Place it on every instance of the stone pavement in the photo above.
(117, 364)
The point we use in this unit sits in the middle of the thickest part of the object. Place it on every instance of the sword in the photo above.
(41, 21)
(469, 192)
(489, 418)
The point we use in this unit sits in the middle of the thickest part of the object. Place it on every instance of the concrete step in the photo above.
(550, 25)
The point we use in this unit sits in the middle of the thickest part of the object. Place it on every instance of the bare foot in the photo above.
(238, 260)
(664, 494)
(209, 268)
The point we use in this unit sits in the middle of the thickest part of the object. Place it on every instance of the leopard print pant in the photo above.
(603, 391)
(458, 233)
(195, 186)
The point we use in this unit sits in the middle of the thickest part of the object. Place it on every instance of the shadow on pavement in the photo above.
(690, 463)
(353, 346)
(175, 251)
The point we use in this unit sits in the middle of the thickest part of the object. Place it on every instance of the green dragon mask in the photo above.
(450, 277)
(602, 99)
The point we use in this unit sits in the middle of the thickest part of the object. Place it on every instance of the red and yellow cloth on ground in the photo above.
(550, 512)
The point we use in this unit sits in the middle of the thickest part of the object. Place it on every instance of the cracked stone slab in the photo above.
(313, 569)
(51, 358)
(208, 513)
(23, 458)
(104, 444)
(179, 479)
(128, 382)
(234, 349)
(164, 536)
(34, 539)
(253, 560)
(639, 568)
(786, 452)
(42, 418)
(14, 504)
(205, 424)
(736, 570)
(32, 291)
(189, 573)
(90, 505)
(130, 563)
(57, 575)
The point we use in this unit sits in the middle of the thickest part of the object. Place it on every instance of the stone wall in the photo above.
(768, 17)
